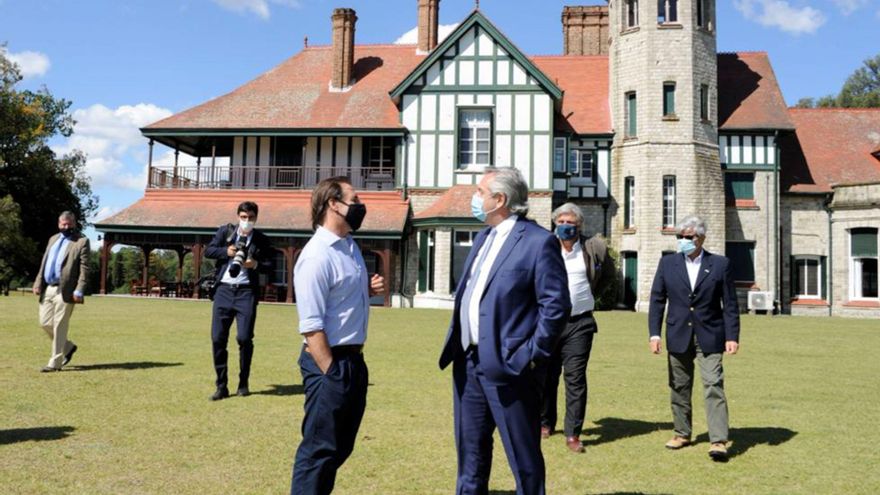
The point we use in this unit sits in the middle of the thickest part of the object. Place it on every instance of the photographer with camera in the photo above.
(241, 253)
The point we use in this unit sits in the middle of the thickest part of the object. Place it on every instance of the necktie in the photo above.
(465, 310)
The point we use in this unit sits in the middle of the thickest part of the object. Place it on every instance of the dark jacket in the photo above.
(710, 310)
(262, 252)
(74, 269)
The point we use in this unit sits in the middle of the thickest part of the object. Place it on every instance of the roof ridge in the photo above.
(835, 109)
(746, 52)
(563, 56)
(382, 45)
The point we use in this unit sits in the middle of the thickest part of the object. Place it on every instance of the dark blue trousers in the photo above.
(479, 407)
(334, 407)
(239, 304)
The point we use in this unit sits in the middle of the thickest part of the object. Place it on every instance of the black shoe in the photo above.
(242, 392)
(220, 393)
(49, 369)
(68, 356)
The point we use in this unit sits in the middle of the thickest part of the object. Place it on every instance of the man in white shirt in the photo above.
(588, 268)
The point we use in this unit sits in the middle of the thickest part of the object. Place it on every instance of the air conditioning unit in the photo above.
(760, 300)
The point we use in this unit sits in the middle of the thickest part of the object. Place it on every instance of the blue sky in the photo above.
(127, 63)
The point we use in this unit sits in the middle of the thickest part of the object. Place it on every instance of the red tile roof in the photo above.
(454, 203)
(749, 97)
(296, 95)
(832, 146)
(286, 211)
(584, 79)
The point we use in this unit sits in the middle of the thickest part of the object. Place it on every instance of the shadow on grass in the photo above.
(281, 390)
(34, 434)
(139, 365)
(611, 429)
(742, 439)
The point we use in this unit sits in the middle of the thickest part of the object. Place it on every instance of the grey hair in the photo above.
(692, 222)
(569, 209)
(509, 181)
(67, 215)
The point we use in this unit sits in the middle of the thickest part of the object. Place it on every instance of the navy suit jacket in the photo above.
(524, 306)
(710, 310)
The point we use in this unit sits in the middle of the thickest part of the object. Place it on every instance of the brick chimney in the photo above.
(585, 30)
(428, 22)
(343, 48)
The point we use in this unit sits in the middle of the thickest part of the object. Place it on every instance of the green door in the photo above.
(630, 279)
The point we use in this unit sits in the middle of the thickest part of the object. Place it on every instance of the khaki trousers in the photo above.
(681, 381)
(54, 318)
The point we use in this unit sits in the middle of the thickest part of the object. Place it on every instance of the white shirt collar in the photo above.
(506, 225)
(575, 249)
(326, 236)
(696, 261)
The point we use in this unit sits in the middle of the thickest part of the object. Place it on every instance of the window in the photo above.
(669, 99)
(702, 17)
(380, 154)
(704, 102)
(631, 114)
(667, 11)
(629, 206)
(559, 154)
(668, 201)
(742, 260)
(581, 165)
(739, 188)
(463, 240)
(863, 263)
(808, 277)
(426, 260)
(632, 13)
(474, 137)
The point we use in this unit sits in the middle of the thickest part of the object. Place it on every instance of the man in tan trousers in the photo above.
(60, 284)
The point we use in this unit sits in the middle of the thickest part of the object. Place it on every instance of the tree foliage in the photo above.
(15, 249)
(41, 183)
(861, 90)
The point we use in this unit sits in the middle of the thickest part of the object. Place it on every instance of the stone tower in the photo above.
(665, 160)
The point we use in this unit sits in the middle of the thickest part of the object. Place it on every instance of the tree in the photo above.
(39, 182)
(861, 90)
(15, 249)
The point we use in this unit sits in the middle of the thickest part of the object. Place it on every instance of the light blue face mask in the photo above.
(477, 207)
(686, 246)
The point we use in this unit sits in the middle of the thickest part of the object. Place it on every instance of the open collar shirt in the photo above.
(502, 232)
(332, 289)
(693, 268)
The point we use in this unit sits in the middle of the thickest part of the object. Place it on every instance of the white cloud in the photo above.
(847, 7)
(111, 140)
(104, 212)
(30, 64)
(782, 15)
(258, 7)
(411, 37)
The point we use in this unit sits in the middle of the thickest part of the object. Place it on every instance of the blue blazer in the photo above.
(524, 306)
(710, 310)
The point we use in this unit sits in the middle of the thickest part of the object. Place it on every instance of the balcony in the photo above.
(206, 177)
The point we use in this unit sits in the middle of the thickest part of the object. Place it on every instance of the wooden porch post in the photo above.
(386, 272)
(198, 170)
(150, 165)
(290, 255)
(174, 175)
(105, 261)
(213, 164)
(146, 279)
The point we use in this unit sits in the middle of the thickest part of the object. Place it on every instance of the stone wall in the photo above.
(853, 207)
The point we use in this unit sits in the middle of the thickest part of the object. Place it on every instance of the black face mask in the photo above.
(66, 232)
(355, 216)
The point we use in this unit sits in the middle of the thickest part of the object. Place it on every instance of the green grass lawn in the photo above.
(131, 414)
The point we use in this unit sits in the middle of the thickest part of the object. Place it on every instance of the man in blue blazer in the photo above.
(702, 324)
(510, 306)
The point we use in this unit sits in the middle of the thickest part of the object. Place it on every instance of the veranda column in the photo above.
(105, 261)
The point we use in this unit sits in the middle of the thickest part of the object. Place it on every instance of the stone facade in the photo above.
(855, 206)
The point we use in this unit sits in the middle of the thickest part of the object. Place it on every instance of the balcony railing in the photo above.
(189, 177)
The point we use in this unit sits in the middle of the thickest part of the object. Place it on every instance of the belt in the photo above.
(582, 315)
(236, 286)
(52, 285)
(342, 350)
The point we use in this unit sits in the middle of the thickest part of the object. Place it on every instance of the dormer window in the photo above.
(667, 11)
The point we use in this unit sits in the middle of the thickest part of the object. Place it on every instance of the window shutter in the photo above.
(792, 276)
(626, 194)
(423, 261)
(864, 242)
(823, 270)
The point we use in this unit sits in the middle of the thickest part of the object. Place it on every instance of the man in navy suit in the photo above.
(510, 306)
(702, 324)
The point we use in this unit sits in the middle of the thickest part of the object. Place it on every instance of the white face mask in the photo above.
(245, 225)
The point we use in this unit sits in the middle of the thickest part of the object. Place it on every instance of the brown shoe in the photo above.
(574, 444)
(678, 442)
(546, 431)
(718, 452)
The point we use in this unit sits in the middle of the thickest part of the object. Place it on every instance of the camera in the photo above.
(242, 253)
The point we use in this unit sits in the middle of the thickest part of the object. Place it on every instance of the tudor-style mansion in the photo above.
(639, 120)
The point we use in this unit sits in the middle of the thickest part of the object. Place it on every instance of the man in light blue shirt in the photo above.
(333, 292)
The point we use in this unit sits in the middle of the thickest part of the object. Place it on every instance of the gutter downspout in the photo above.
(778, 251)
(829, 276)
